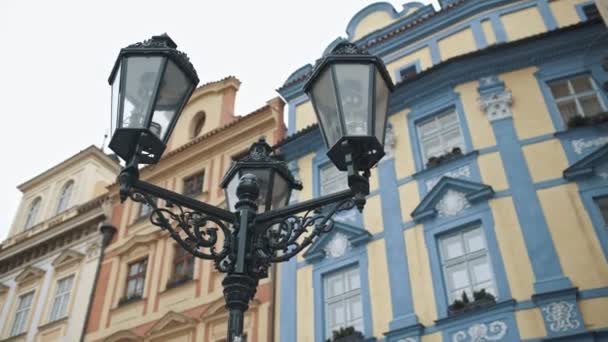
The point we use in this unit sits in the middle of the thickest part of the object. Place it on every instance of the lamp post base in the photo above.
(239, 289)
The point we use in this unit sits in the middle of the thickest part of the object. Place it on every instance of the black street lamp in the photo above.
(152, 81)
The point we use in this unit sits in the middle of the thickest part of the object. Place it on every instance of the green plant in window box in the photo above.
(481, 299)
(175, 282)
(130, 299)
(347, 334)
(582, 121)
(436, 161)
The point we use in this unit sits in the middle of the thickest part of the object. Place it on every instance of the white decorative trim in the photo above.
(452, 203)
(461, 172)
(497, 105)
(390, 141)
(408, 339)
(482, 332)
(580, 145)
(561, 316)
(338, 246)
(93, 250)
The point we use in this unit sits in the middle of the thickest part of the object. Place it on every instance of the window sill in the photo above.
(175, 283)
(53, 323)
(126, 301)
(500, 306)
(446, 164)
(15, 337)
(567, 131)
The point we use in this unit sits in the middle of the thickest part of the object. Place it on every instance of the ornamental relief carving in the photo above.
(580, 145)
(452, 203)
(482, 332)
(497, 105)
(338, 246)
(561, 316)
(390, 141)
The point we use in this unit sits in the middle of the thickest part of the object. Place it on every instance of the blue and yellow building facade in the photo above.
(495, 182)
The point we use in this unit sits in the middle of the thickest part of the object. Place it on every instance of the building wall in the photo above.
(193, 310)
(527, 179)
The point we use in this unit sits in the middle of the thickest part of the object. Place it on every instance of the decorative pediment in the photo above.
(123, 336)
(337, 243)
(67, 257)
(591, 165)
(170, 321)
(135, 241)
(450, 197)
(29, 273)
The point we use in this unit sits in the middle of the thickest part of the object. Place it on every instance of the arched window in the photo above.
(64, 196)
(32, 213)
(198, 123)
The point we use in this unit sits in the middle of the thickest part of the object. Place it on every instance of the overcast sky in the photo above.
(56, 57)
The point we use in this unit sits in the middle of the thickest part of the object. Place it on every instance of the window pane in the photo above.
(581, 84)
(448, 119)
(452, 247)
(337, 314)
(457, 276)
(354, 308)
(353, 280)
(480, 270)
(474, 240)
(567, 109)
(427, 127)
(335, 286)
(591, 105)
(332, 180)
(559, 89)
(603, 205)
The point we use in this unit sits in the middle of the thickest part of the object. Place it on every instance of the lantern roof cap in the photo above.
(161, 45)
(347, 52)
(261, 156)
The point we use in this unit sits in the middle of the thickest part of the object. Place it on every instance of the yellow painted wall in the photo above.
(492, 171)
(420, 276)
(306, 328)
(574, 237)
(524, 23)
(530, 114)
(564, 11)
(372, 215)
(404, 159)
(594, 313)
(512, 248)
(436, 337)
(488, 31)
(457, 44)
(379, 289)
(409, 199)
(305, 166)
(530, 323)
(305, 115)
(371, 23)
(422, 55)
(483, 135)
(546, 160)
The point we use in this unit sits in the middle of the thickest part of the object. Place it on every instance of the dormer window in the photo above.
(64, 196)
(198, 123)
(32, 213)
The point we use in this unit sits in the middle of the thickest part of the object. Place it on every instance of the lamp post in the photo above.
(151, 82)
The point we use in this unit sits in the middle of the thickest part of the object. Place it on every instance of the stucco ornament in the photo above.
(389, 142)
(452, 203)
(580, 145)
(561, 316)
(93, 250)
(497, 105)
(461, 172)
(338, 246)
(482, 332)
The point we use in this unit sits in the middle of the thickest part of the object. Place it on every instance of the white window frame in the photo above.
(345, 298)
(21, 314)
(64, 197)
(573, 96)
(61, 299)
(335, 176)
(439, 132)
(32, 213)
(467, 259)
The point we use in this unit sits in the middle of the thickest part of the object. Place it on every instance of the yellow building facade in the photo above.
(50, 257)
(487, 218)
(148, 288)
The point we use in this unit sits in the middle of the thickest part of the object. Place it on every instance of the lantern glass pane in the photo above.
(280, 192)
(324, 98)
(353, 82)
(140, 82)
(263, 178)
(381, 104)
(115, 100)
(174, 87)
(230, 192)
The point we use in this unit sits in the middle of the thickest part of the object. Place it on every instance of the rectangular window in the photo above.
(193, 185)
(61, 299)
(408, 72)
(466, 264)
(183, 264)
(591, 11)
(144, 211)
(136, 278)
(23, 309)
(602, 203)
(332, 180)
(342, 300)
(577, 96)
(440, 135)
